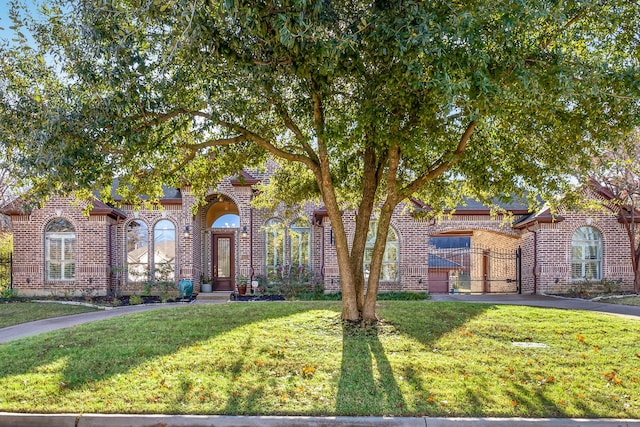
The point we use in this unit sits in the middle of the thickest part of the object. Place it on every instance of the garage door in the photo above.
(438, 281)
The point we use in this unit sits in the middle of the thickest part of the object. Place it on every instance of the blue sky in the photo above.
(4, 18)
(5, 22)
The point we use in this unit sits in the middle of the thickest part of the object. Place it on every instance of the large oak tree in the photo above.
(366, 104)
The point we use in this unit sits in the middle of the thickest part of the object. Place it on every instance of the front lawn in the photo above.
(425, 358)
(14, 313)
(633, 300)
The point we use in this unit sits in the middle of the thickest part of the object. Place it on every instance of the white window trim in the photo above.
(63, 237)
(584, 261)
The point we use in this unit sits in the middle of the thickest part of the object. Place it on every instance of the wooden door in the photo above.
(223, 262)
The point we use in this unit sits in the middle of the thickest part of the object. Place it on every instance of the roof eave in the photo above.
(541, 219)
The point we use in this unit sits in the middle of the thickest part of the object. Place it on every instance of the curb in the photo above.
(104, 420)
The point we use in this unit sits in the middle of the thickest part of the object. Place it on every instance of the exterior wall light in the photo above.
(244, 233)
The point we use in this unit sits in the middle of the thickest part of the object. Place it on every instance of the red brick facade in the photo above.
(101, 245)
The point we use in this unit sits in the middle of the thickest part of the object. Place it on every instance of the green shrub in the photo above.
(590, 289)
(6, 249)
(382, 296)
(8, 293)
(135, 300)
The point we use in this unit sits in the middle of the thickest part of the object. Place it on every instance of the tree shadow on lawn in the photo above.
(368, 382)
(368, 385)
(100, 350)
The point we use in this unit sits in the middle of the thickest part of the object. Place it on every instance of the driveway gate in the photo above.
(475, 269)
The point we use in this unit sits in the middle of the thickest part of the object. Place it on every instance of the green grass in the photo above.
(15, 313)
(425, 358)
(634, 300)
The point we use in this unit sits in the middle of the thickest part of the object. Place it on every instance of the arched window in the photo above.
(227, 221)
(586, 254)
(60, 250)
(137, 251)
(391, 257)
(300, 236)
(164, 250)
(274, 246)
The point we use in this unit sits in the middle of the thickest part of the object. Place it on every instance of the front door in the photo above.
(223, 262)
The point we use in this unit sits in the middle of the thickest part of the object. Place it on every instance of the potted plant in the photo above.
(205, 284)
(241, 283)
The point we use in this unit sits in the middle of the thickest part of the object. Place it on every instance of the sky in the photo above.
(5, 21)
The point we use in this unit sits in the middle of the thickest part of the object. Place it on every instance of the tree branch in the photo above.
(245, 135)
(544, 44)
(441, 165)
(292, 126)
(217, 142)
(268, 145)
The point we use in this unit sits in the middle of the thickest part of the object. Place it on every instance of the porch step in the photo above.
(214, 296)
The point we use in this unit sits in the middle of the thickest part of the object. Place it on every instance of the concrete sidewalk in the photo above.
(96, 420)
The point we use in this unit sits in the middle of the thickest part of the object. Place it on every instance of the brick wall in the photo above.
(102, 246)
(93, 257)
(554, 251)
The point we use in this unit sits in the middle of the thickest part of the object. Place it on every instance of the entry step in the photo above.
(214, 296)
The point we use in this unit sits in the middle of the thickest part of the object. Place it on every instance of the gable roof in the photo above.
(470, 206)
(542, 217)
(100, 208)
(169, 194)
(244, 179)
(436, 261)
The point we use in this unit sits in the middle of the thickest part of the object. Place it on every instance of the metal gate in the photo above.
(474, 269)
(6, 262)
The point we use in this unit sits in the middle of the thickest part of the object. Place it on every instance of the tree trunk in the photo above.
(370, 181)
(636, 272)
(384, 221)
(350, 309)
(631, 228)
(322, 174)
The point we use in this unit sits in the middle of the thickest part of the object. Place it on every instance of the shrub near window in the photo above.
(289, 281)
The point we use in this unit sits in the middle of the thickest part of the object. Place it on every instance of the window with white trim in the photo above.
(137, 251)
(391, 257)
(60, 250)
(164, 250)
(586, 254)
(287, 249)
(300, 237)
(274, 247)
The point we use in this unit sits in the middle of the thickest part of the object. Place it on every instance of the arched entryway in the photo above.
(222, 222)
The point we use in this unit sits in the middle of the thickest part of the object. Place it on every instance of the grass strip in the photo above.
(15, 313)
(634, 300)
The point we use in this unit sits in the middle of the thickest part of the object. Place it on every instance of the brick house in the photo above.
(58, 250)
